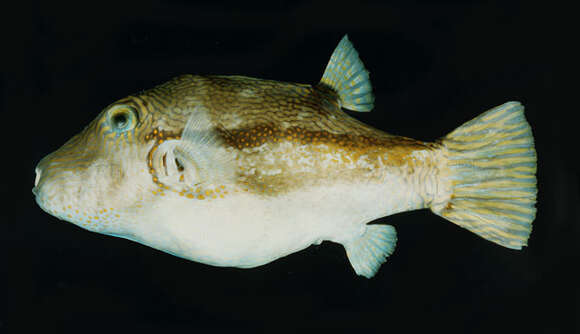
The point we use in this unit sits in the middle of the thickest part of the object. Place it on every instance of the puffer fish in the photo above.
(237, 171)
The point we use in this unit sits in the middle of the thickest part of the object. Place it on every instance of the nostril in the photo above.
(37, 178)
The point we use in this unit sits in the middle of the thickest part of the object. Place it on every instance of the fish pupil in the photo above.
(120, 120)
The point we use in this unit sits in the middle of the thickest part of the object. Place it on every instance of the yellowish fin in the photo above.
(347, 76)
(491, 183)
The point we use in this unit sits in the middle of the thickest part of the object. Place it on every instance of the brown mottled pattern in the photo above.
(286, 120)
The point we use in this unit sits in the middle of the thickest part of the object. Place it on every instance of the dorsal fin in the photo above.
(346, 74)
(199, 156)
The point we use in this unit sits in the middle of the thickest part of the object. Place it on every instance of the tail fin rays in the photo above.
(491, 166)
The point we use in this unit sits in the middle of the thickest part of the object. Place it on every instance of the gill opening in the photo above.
(164, 159)
(160, 165)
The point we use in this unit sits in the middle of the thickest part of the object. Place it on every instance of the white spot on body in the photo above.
(270, 172)
(247, 93)
(420, 155)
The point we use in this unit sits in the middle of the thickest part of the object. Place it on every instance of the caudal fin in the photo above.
(489, 176)
(347, 76)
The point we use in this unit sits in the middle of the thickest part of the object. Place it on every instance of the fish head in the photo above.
(105, 174)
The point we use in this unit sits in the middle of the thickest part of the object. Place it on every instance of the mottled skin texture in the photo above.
(277, 141)
(237, 171)
(250, 113)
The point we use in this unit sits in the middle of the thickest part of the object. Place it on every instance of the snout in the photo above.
(37, 177)
(56, 185)
(40, 181)
(40, 175)
(39, 194)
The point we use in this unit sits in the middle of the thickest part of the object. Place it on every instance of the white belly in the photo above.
(245, 230)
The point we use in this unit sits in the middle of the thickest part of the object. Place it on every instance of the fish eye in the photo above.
(122, 118)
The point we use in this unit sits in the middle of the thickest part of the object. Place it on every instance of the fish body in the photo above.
(238, 171)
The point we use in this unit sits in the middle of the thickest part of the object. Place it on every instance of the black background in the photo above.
(434, 65)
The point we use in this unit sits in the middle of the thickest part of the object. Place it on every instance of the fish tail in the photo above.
(347, 76)
(488, 181)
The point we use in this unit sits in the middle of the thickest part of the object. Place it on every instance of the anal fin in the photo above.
(368, 252)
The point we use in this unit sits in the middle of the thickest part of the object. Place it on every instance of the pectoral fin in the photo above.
(199, 156)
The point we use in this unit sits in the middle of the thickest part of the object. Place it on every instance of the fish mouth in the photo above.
(38, 173)
(40, 196)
